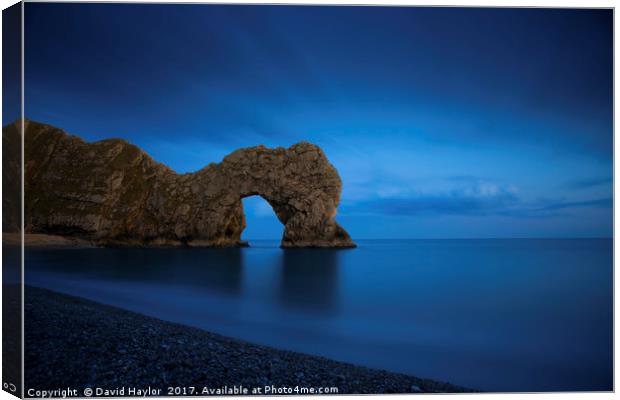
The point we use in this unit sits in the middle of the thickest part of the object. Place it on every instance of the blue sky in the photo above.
(443, 123)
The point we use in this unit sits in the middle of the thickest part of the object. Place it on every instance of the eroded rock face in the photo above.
(113, 193)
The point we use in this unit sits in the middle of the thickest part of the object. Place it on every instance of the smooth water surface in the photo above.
(499, 315)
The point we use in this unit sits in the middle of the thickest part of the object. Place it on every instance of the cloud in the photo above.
(469, 197)
(552, 208)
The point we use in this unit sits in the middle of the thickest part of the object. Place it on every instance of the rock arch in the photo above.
(299, 183)
(113, 193)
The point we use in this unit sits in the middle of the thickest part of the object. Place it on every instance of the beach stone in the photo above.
(55, 354)
(112, 193)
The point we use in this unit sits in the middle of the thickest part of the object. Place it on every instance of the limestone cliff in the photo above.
(113, 193)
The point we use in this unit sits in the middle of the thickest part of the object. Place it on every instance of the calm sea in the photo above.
(498, 315)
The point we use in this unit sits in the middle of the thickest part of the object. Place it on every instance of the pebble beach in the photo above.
(76, 344)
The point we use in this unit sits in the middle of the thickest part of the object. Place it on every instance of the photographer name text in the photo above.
(148, 391)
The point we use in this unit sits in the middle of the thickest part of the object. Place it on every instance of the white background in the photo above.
(546, 3)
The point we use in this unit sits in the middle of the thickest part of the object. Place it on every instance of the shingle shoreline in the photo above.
(76, 343)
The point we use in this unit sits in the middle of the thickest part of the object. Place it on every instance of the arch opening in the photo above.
(261, 222)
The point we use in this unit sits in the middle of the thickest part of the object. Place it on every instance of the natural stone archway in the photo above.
(113, 193)
(301, 186)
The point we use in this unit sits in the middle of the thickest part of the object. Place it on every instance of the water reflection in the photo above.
(219, 270)
(309, 279)
(305, 279)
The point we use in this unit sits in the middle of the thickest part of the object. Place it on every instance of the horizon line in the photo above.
(477, 238)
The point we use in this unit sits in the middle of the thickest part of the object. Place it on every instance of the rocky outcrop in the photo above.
(112, 193)
(11, 179)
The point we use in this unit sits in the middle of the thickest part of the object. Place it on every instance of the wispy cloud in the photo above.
(550, 208)
(469, 196)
